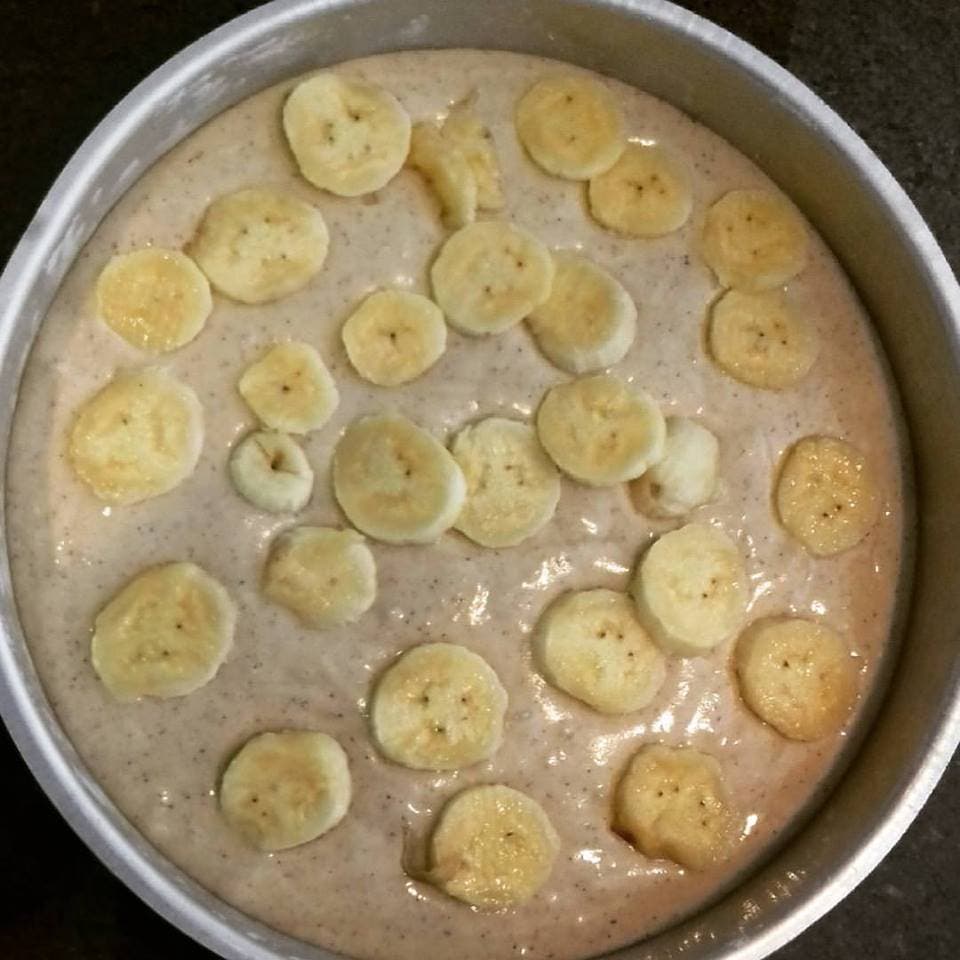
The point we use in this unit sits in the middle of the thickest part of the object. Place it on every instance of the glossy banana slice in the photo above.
(271, 471)
(138, 438)
(512, 486)
(466, 132)
(438, 707)
(600, 430)
(286, 788)
(165, 634)
(448, 172)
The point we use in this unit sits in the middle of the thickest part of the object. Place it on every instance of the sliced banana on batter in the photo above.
(138, 437)
(492, 847)
(754, 240)
(589, 320)
(286, 788)
(165, 634)
(672, 804)
(290, 389)
(465, 131)
(260, 244)
(827, 495)
(490, 275)
(438, 707)
(348, 136)
(270, 470)
(600, 430)
(394, 336)
(512, 486)
(648, 192)
(448, 172)
(571, 126)
(326, 577)
(590, 644)
(690, 589)
(395, 481)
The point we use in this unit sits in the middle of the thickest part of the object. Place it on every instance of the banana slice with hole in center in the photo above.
(447, 171)
(474, 140)
(271, 471)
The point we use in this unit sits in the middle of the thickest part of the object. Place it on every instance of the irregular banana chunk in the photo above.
(448, 172)
(439, 707)
(466, 132)
(271, 471)
(138, 438)
(348, 137)
(165, 634)
(599, 430)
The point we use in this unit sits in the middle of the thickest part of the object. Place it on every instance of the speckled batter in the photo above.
(160, 761)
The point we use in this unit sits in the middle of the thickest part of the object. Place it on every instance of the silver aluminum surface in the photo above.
(848, 194)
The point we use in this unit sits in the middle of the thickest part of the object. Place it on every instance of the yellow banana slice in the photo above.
(394, 337)
(138, 438)
(448, 172)
(165, 634)
(260, 244)
(490, 275)
(439, 707)
(512, 486)
(286, 788)
(474, 140)
(600, 430)
(590, 644)
(348, 137)
(827, 495)
(271, 471)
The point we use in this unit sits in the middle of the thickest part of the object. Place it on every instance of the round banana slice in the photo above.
(259, 244)
(156, 299)
(492, 847)
(646, 193)
(591, 645)
(394, 336)
(438, 707)
(827, 495)
(290, 389)
(448, 172)
(490, 275)
(348, 137)
(396, 482)
(754, 240)
(326, 577)
(512, 486)
(796, 675)
(571, 126)
(165, 634)
(138, 438)
(685, 477)
(600, 431)
(671, 804)
(691, 590)
(589, 320)
(286, 788)
(475, 142)
(271, 471)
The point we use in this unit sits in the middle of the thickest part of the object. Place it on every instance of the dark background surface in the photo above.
(890, 67)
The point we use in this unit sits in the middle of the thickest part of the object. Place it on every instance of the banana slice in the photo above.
(571, 126)
(446, 169)
(165, 634)
(348, 137)
(394, 336)
(475, 142)
(271, 471)
(589, 320)
(671, 804)
(646, 193)
(685, 477)
(439, 707)
(599, 430)
(156, 299)
(138, 438)
(326, 577)
(287, 788)
(796, 675)
(754, 240)
(290, 389)
(492, 847)
(396, 482)
(691, 590)
(591, 645)
(259, 244)
(490, 275)
(512, 486)
(827, 495)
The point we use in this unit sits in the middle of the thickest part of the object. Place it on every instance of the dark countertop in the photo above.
(890, 67)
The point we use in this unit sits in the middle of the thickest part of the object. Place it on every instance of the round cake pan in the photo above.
(851, 198)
